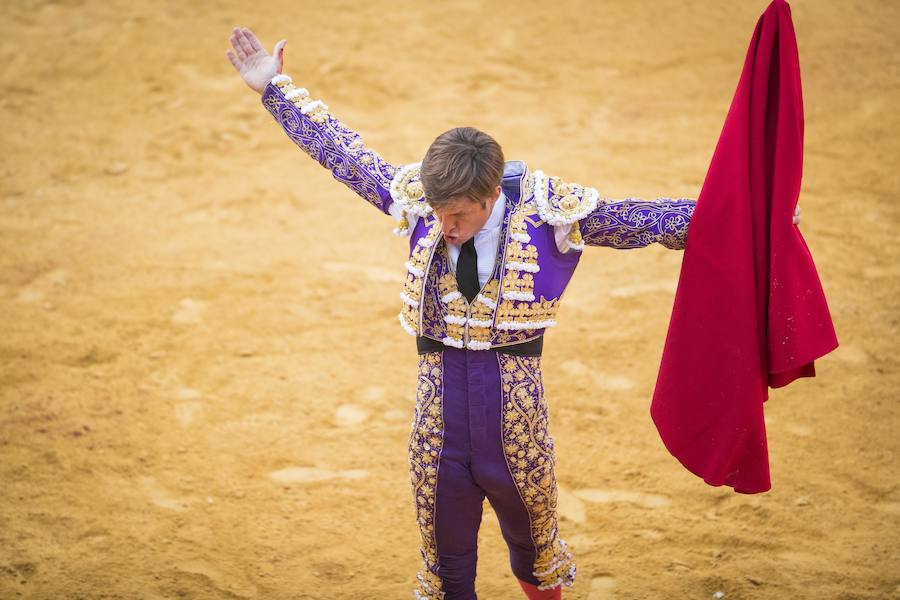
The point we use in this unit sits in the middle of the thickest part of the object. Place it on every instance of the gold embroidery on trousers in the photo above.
(528, 448)
(426, 440)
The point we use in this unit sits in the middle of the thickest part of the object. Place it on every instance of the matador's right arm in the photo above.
(334, 145)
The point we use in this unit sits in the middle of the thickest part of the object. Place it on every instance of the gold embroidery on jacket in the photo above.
(502, 314)
(414, 284)
(540, 314)
(481, 315)
(522, 253)
(456, 305)
(518, 283)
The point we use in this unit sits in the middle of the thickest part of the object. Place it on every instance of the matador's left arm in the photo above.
(623, 224)
(635, 223)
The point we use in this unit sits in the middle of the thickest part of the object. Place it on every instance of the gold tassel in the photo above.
(403, 226)
(575, 235)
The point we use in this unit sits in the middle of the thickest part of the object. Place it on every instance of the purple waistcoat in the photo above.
(518, 301)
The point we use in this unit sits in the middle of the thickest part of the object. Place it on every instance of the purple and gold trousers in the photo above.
(481, 429)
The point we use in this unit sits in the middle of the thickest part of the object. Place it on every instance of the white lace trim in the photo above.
(407, 300)
(489, 302)
(480, 322)
(520, 266)
(517, 295)
(302, 92)
(409, 329)
(568, 578)
(450, 296)
(478, 345)
(315, 104)
(415, 271)
(449, 341)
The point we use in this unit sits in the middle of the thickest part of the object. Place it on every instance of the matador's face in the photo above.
(462, 218)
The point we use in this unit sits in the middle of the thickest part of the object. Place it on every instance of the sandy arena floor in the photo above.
(206, 393)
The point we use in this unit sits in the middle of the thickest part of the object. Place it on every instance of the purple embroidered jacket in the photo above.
(521, 297)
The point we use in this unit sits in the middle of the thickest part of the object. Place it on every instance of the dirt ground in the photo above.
(205, 391)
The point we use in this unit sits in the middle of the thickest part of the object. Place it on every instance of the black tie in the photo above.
(467, 270)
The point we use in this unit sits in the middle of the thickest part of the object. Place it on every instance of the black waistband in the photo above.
(530, 348)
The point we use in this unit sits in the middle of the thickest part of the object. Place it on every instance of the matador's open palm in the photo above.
(256, 66)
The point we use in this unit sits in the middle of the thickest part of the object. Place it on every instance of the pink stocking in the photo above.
(533, 593)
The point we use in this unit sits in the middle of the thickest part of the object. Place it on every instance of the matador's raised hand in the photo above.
(254, 64)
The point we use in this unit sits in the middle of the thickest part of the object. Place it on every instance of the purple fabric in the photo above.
(336, 147)
(472, 466)
(557, 267)
(636, 223)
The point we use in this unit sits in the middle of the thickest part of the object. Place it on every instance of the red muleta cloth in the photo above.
(749, 311)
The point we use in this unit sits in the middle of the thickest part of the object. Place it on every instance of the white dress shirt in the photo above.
(487, 239)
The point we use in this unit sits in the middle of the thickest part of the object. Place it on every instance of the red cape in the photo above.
(749, 311)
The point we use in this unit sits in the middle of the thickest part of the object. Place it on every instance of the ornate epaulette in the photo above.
(408, 192)
(561, 203)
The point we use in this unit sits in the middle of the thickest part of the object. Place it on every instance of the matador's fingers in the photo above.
(237, 47)
(234, 60)
(245, 44)
(251, 37)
